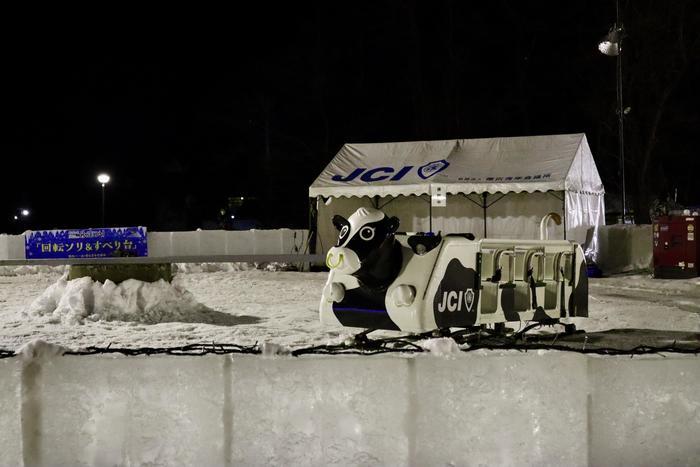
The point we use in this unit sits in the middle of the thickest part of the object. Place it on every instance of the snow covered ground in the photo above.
(244, 305)
(319, 410)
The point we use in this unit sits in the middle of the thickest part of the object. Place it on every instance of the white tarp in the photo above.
(492, 165)
(537, 175)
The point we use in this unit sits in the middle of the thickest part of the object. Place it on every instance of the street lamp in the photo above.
(20, 216)
(611, 45)
(103, 179)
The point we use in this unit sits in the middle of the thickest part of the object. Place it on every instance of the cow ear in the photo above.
(393, 224)
(339, 221)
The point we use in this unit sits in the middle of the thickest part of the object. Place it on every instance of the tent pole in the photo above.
(484, 195)
(563, 208)
(313, 224)
(430, 214)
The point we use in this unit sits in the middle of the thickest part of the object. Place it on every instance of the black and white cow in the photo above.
(367, 250)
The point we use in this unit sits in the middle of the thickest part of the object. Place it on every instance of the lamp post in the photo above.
(611, 45)
(104, 180)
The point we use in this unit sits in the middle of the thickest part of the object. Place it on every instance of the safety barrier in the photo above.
(625, 248)
(534, 408)
(196, 246)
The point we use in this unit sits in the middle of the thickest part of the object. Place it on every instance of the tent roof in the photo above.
(527, 163)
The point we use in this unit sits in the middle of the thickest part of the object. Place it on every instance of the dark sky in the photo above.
(185, 109)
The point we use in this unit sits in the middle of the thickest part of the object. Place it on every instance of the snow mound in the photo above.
(39, 349)
(272, 350)
(80, 300)
(441, 347)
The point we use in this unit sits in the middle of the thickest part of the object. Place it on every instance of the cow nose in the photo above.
(334, 261)
(342, 260)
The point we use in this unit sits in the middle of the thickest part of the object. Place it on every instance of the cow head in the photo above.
(366, 247)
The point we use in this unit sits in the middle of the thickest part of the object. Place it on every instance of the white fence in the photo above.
(622, 248)
(199, 243)
(476, 409)
(227, 242)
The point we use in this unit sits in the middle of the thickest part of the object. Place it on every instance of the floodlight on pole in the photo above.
(24, 212)
(104, 180)
(611, 45)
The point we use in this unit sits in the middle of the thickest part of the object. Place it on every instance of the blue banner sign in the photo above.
(87, 243)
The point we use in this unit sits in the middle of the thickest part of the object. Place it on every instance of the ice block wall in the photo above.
(625, 248)
(535, 408)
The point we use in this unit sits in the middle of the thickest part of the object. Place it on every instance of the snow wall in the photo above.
(625, 248)
(199, 243)
(535, 408)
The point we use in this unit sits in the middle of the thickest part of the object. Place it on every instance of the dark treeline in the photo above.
(188, 111)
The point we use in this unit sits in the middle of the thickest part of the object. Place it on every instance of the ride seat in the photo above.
(551, 280)
(490, 278)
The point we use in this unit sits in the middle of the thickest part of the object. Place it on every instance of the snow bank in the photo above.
(39, 349)
(73, 302)
(441, 347)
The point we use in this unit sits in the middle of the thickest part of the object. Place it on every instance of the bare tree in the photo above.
(663, 42)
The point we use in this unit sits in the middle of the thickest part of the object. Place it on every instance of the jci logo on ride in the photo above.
(455, 302)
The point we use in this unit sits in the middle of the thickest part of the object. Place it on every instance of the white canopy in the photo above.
(486, 165)
(492, 187)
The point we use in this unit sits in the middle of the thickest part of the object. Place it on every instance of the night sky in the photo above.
(187, 109)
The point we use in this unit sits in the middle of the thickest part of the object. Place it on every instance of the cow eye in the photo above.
(367, 233)
(344, 232)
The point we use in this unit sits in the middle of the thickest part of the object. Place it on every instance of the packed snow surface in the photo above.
(245, 305)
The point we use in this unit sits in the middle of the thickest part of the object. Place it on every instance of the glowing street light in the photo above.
(103, 178)
(20, 213)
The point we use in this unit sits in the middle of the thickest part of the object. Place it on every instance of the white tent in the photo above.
(495, 187)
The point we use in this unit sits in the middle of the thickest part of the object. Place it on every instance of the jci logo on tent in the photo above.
(379, 174)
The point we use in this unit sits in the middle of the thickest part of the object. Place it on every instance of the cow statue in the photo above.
(381, 279)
